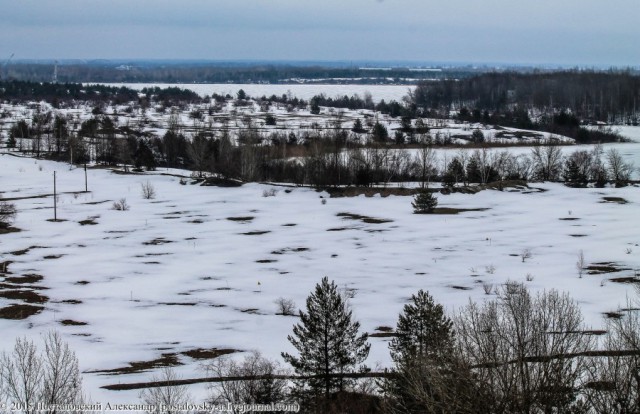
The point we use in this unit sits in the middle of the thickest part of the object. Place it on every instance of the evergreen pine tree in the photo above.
(424, 202)
(423, 330)
(428, 375)
(327, 341)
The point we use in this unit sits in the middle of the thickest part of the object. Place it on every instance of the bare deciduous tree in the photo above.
(148, 191)
(52, 377)
(263, 390)
(7, 213)
(516, 344)
(166, 399)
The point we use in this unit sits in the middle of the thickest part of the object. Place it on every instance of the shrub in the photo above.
(271, 192)
(424, 203)
(7, 214)
(148, 191)
(286, 307)
(121, 205)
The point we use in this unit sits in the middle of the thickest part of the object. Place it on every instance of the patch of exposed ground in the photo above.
(291, 250)
(157, 241)
(19, 311)
(137, 367)
(256, 233)
(241, 219)
(364, 219)
(209, 353)
(617, 200)
(383, 332)
(599, 268)
(70, 322)
(453, 210)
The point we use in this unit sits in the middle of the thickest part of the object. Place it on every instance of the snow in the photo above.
(306, 92)
(218, 272)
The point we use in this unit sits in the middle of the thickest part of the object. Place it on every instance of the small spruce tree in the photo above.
(424, 203)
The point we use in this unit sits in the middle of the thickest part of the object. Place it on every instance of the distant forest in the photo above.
(213, 73)
(611, 97)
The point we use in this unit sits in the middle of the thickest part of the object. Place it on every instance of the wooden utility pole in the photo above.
(86, 188)
(55, 199)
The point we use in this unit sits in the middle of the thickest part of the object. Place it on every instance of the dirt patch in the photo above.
(266, 261)
(383, 332)
(242, 219)
(53, 256)
(71, 301)
(256, 233)
(82, 282)
(167, 360)
(625, 280)
(19, 312)
(604, 267)
(252, 311)
(569, 218)
(453, 210)
(20, 252)
(578, 235)
(28, 296)
(56, 220)
(289, 225)
(88, 222)
(70, 322)
(158, 241)
(364, 219)
(196, 221)
(617, 200)
(341, 228)
(208, 353)
(7, 230)
(459, 287)
(291, 250)
(178, 303)
(24, 279)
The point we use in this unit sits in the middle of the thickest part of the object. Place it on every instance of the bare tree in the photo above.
(426, 161)
(166, 399)
(264, 390)
(612, 382)
(619, 171)
(517, 343)
(148, 191)
(547, 162)
(52, 377)
(21, 375)
(7, 213)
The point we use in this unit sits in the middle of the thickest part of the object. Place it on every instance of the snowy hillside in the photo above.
(199, 268)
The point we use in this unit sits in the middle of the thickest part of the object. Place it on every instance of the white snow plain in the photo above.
(174, 274)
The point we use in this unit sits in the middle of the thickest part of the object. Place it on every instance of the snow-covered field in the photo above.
(201, 267)
(306, 92)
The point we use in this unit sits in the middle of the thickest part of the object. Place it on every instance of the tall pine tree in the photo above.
(428, 376)
(327, 341)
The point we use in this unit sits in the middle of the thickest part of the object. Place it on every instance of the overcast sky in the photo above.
(567, 32)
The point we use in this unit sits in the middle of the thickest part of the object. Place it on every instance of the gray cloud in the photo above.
(545, 31)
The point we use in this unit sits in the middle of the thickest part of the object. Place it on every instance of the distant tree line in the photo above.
(589, 96)
(57, 93)
(220, 73)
